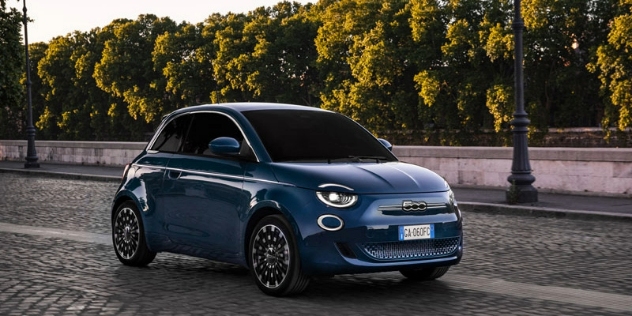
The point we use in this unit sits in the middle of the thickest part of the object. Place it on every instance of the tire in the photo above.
(425, 274)
(274, 260)
(128, 236)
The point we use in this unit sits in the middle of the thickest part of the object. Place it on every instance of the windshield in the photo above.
(305, 135)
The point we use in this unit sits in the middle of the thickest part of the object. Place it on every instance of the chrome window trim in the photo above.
(221, 175)
(141, 165)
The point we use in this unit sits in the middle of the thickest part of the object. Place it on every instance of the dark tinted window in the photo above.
(206, 127)
(172, 135)
(297, 135)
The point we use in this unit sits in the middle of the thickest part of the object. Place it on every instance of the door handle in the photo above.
(172, 174)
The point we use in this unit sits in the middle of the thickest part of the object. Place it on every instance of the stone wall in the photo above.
(590, 171)
(79, 152)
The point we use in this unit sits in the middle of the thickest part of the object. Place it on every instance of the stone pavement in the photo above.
(483, 199)
(56, 258)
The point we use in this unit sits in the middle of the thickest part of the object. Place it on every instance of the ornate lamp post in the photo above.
(521, 190)
(31, 154)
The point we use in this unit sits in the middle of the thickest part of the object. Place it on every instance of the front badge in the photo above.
(409, 206)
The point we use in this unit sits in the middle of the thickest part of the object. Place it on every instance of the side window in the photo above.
(206, 127)
(171, 136)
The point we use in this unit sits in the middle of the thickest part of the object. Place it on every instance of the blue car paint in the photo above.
(202, 206)
(364, 178)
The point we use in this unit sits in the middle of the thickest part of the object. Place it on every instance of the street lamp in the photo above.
(31, 154)
(521, 190)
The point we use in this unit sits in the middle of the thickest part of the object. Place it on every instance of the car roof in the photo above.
(246, 106)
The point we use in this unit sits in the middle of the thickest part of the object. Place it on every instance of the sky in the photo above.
(60, 17)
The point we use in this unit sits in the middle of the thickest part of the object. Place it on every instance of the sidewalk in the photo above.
(489, 200)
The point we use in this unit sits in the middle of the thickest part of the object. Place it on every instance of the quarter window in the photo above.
(171, 136)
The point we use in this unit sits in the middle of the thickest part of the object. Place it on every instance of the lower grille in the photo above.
(414, 249)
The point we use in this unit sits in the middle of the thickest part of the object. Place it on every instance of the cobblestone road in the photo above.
(513, 265)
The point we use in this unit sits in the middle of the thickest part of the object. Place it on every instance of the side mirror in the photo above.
(224, 146)
(386, 143)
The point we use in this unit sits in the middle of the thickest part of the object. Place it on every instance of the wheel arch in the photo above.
(117, 203)
(120, 199)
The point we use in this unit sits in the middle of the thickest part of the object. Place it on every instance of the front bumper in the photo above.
(369, 240)
(343, 257)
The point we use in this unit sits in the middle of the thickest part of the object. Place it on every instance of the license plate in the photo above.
(413, 232)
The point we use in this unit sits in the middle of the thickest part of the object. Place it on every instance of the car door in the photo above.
(150, 170)
(205, 192)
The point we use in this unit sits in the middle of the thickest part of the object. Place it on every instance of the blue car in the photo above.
(290, 192)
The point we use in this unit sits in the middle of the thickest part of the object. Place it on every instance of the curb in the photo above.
(519, 210)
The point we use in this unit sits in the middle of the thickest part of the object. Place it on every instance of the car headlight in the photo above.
(337, 199)
(454, 204)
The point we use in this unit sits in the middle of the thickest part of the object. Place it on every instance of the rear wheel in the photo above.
(128, 236)
(425, 274)
(274, 258)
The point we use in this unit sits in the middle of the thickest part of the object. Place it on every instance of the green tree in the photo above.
(428, 23)
(281, 65)
(465, 72)
(186, 61)
(112, 114)
(443, 66)
(614, 67)
(11, 70)
(127, 71)
(62, 116)
(558, 39)
(37, 51)
(228, 71)
(465, 60)
(266, 55)
(364, 58)
(93, 103)
(497, 41)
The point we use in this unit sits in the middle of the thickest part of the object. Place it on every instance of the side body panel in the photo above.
(203, 200)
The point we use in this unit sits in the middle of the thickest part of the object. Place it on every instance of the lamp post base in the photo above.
(31, 164)
(517, 194)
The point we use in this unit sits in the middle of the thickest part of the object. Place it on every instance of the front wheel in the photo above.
(425, 274)
(274, 258)
(128, 236)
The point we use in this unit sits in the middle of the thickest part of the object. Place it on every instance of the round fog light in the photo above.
(330, 223)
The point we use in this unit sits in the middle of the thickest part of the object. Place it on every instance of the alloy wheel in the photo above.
(126, 233)
(270, 256)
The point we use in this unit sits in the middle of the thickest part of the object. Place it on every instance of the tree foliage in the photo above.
(442, 69)
(11, 71)
(559, 38)
(127, 71)
(614, 67)
(364, 51)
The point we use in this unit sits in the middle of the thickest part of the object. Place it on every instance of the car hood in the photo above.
(363, 178)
